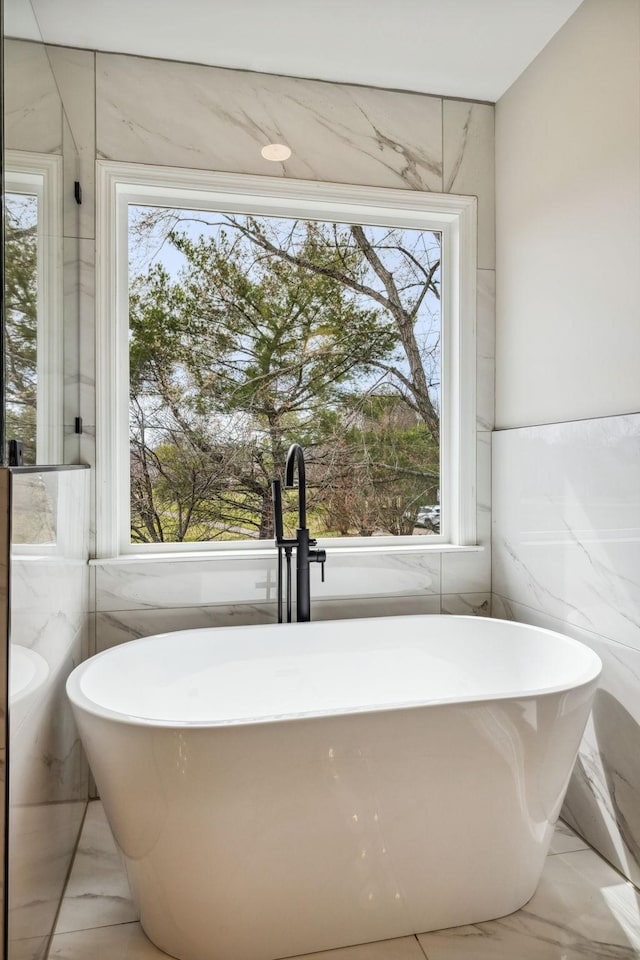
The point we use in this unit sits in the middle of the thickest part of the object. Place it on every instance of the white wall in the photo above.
(568, 224)
(566, 481)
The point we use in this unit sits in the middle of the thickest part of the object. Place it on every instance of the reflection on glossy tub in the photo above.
(283, 790)
(28, 671)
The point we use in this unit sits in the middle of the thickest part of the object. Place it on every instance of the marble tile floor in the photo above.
(583, 910)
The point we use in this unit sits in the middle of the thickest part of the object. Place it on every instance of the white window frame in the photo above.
(454, 217)
(39, 175)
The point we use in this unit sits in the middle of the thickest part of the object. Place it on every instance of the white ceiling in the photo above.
(460, 48)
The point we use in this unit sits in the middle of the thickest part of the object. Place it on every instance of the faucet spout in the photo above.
(295, 458)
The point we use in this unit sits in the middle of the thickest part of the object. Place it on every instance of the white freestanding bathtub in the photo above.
(278, 790)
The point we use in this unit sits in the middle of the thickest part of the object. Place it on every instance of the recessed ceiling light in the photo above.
(276, 151)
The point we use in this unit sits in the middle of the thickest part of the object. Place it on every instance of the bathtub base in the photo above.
(257, 944)
(254, 949)
(269, 841)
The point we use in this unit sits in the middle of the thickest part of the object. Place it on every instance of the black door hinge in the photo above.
(16, 455)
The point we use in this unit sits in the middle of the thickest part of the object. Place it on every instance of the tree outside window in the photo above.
(21, 319)
(247, 333)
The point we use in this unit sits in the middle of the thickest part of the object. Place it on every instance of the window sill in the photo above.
(270, 553)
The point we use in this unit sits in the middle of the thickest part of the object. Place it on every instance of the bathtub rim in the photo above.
(81, 701)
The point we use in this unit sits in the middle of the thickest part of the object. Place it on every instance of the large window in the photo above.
(33, 291)
(250, 314)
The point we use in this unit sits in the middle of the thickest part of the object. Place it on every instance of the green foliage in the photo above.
(388, 466)
(241, 354)
(21, 320)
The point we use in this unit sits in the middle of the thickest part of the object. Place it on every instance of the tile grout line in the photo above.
(94, 927)
(102, 926)
(590, 849)
(421, 947)
(552, 616)
(66, 881)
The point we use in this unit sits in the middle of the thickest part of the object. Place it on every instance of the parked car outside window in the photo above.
(429, 517)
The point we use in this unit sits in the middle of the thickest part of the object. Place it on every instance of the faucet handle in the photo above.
(318, 556)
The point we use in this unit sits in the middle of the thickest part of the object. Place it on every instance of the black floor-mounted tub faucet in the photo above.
(303, 544)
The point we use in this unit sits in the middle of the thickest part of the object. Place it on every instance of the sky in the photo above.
(154, 247)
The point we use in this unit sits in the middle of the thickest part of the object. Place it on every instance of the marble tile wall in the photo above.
(140, 597)
(37, 80)
(73, 71)
(193, 594)
(48, 779)
(5, 521)
(339, 133)
(32, 106)
(566, 555)
(210, 118)
(48, 776)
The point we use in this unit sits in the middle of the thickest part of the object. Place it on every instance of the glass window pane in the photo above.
(21, 292)
(249, 333)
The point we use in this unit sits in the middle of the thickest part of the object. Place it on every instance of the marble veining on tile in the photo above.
(466, 604)
(468, 145)
(70, 175)
(86, 328)
(567, 523)
(205, 117)
(41, 849)
(582, 910)
(566, 840)
(122, 942)
(402, 948)
(48, 764)
(566, 555)
(339, 132)
(49, 572)
(97, 893)
(71, 358)
(32, 107)
(128, 942)
(74, 73)
(49, 774)
(471, 572)
(485, 349)
(202, 582)
(33, 948)
(602, 799)
(48, 597)
(119, 626)
(49, 600)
